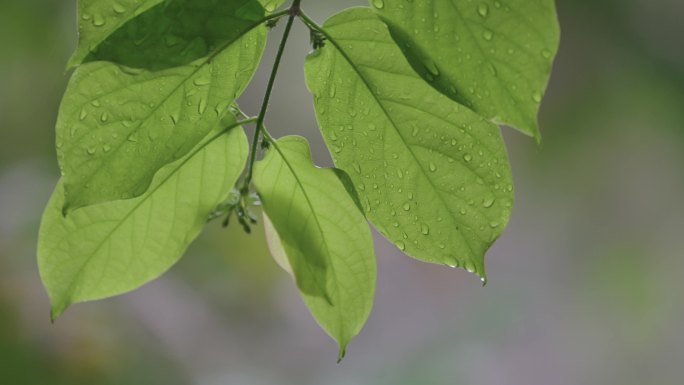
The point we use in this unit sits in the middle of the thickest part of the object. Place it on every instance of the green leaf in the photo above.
(492, 56)
(151, 92)
(272, 5)
(97, 19)
(325, 238)
(111, 248)
(432, 175)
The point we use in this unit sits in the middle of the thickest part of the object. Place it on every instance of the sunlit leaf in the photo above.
(111, 248)
(151, 92)
(492, 56)
(432, 175)
(272, 5)
(325, 238)
(97, 19)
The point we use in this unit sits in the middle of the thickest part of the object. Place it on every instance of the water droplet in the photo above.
(401, 245)
(483, 10)
(201, 82)
(487, 35)
(470, 267)
(488, 202)
(546, 54)
(431, 66)
(433, 167)
(425, 229)
(407, 206)
(357, 168)
(118, 8)
(467, 158)
(379, 4)
(99, 21)
(537, 97)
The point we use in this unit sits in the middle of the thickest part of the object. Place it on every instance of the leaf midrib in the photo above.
(320, 229)
(69, 291)
(384, 110)
(184, 80)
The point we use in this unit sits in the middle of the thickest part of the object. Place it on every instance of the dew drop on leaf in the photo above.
(483, 10)
(537, 97)
(118, 8)
(487, 35)
(488, 202)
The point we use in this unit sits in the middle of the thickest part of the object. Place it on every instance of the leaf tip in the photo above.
(342, 353)
(56, 311)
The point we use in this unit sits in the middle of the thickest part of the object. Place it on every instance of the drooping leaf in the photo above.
(432, 175)
(151, 91)
(492, 56)
(322, 233)
(114, 247)
(97, 19)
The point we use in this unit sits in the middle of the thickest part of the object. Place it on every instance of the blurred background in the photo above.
(585, 287)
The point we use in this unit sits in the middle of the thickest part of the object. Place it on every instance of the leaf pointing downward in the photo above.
(433, 176)
(325, 238)
(111, 248)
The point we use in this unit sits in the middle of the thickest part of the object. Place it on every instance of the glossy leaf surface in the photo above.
(151, 92)
(97, 19)
(492, 56)
(432, 175)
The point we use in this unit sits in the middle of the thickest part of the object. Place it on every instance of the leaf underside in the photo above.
(432, 175)
(111, 248)
(317, 232)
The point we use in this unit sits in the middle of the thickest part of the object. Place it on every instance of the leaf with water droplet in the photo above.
(111, 248)
(99, 19)
(318, 229)
(418, 172)
(137, 87)
(468, 39)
